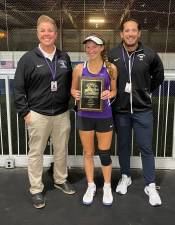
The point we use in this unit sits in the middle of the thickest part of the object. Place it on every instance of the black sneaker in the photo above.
(38, 200)
(66, 188)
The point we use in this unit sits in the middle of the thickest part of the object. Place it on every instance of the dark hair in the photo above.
(127, 20)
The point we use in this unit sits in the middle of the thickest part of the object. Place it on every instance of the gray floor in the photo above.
(61, 209)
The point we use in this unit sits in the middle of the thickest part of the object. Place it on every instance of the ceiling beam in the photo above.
(68, 14)
(126, 12)
(18, 16)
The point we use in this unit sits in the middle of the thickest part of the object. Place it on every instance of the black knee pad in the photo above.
(105, 157)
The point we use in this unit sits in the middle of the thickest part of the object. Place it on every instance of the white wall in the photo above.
(9, 60)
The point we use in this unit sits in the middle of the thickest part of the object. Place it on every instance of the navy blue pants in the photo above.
(142, 124)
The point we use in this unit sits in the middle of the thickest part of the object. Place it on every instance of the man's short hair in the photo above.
(44, 18)
(127, 20)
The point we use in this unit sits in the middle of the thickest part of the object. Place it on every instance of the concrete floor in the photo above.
(62, 209)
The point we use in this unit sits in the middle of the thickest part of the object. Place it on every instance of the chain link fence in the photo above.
(74, 19)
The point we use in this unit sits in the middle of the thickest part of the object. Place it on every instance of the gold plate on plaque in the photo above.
(91, 89)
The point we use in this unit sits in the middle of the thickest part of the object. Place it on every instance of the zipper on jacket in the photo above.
(130, 65)
(130, 68)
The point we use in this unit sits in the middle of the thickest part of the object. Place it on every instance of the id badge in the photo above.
(128, 87)
(53, 85)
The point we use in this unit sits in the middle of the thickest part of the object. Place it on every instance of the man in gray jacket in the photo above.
(140, 72)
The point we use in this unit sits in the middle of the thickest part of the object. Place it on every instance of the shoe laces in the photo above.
(90, 191)
(107, 191)
(153, 191)
(123, 180)
(38, 198)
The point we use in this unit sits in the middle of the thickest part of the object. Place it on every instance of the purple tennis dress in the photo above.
(106, 113)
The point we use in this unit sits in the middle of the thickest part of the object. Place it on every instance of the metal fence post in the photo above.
(9, 163)
(173, 150)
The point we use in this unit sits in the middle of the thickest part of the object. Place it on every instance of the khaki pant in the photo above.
(39, 129)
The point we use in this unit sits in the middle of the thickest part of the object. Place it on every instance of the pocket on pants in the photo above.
(34, 118)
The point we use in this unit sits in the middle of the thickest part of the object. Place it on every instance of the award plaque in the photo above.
(90, 89)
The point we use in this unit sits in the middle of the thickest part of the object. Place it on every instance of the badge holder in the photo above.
(53, 86)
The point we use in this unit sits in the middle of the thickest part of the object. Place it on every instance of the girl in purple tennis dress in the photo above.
(91, 123)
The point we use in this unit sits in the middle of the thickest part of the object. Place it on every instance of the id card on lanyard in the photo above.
(128, 86)
(53, 85)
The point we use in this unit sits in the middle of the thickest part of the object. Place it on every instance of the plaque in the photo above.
(90, 98)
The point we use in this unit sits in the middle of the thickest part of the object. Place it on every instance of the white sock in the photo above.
(91, 185)
(107, 185)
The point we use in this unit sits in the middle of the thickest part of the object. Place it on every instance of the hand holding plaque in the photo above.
(91, 89)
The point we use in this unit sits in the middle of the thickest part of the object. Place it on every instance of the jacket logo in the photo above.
(116, 59)
(62, 63)
(141, 56)
(39, 65)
